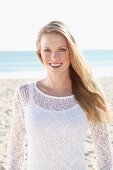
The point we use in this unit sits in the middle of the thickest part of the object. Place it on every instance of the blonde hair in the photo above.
(84, 86)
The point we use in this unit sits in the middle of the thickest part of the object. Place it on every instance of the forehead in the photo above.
(53, 38)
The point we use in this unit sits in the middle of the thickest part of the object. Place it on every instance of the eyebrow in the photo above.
(62, 46)
(58, 47)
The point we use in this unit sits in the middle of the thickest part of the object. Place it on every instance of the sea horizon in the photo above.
(25, 64)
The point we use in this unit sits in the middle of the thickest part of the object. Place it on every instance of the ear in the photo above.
(39, 56)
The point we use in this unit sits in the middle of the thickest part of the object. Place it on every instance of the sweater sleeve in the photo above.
(16, 143)
(102, 144)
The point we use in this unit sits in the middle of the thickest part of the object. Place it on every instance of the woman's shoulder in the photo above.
(22, 87)
(23, 90)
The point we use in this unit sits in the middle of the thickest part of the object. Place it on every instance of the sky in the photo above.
(90, 21)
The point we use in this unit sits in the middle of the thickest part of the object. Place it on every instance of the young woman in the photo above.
(54, 113)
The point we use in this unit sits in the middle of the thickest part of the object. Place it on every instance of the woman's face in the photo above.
(54, 52)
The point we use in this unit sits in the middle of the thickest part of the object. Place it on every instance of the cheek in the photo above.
(67, 59)
(45, 59)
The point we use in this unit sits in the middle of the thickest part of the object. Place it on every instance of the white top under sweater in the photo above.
(55, 128)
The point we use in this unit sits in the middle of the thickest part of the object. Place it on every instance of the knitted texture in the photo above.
(55, 128)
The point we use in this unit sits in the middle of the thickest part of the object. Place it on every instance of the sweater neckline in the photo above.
(50, 96)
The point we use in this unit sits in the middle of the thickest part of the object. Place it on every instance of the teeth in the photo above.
(55, 65)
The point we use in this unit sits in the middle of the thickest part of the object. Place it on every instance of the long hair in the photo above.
(85, 88)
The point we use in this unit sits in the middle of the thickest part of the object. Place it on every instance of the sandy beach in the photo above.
(7, 87)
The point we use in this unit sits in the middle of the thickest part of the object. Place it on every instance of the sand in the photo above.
(7, 87)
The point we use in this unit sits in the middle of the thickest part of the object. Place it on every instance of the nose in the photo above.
(55, 54)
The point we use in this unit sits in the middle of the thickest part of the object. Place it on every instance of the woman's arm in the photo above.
(102, 143)
(16, 143)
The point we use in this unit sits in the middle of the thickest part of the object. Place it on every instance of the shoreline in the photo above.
(22, 74)
(98, 72)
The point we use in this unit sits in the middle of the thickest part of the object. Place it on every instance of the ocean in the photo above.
(25, 64)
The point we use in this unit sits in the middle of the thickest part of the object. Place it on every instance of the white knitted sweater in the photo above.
(55, 128)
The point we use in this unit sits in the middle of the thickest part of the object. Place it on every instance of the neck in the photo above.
(59, 82)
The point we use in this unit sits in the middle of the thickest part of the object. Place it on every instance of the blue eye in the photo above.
(62, 50)
(47, 50)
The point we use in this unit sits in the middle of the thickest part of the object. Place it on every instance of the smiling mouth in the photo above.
(55, 65)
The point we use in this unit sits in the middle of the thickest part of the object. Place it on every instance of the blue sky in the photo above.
(90, 21)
